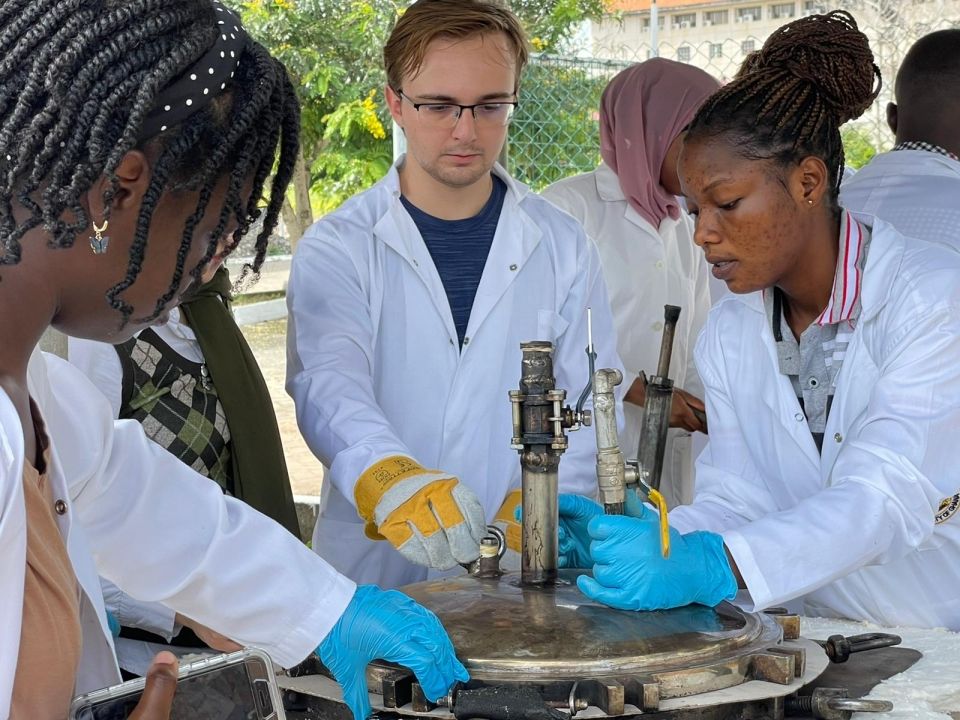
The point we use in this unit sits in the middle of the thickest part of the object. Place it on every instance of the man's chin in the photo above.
(462, 177)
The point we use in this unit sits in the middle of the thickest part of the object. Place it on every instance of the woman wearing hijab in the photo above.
(629, 206)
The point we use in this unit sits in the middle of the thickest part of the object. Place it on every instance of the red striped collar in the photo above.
(844, 303)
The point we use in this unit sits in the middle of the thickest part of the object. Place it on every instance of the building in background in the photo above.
(717, 35)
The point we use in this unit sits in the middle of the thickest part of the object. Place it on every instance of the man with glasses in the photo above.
(409, 303)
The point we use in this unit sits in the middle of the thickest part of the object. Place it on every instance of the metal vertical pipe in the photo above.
(539, 460)
(610, 460)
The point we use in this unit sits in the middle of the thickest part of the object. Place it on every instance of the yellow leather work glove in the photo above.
(506, 519)
(428, 515)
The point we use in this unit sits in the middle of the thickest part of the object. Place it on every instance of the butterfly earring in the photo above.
(99, 241)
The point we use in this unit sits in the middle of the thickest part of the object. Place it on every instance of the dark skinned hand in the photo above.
(683, 410)
(157, 699)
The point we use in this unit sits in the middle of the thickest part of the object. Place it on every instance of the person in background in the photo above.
(136, 139)
(831, 373)
(195, 386)
(409, 303)
(916, 186)
(629, 206)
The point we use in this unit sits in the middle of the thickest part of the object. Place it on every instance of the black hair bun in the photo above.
(827, 51)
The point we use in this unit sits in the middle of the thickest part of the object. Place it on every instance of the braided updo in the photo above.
(790, 98)
(77, 80)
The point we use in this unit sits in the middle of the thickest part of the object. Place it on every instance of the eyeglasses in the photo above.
(446, 115)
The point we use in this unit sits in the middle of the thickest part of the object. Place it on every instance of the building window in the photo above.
(748, 46)
(716, 50)
(748, 14)
(716, 17)
(812, 7)
(783, 11)
(683, 53)
(646, 23)
(685, 20)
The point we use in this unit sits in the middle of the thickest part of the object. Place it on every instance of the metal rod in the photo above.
(671, 313)
(657, 406)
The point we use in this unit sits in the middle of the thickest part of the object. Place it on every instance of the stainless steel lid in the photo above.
(504, 632)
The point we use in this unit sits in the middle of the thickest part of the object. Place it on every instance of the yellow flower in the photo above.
(371, 122)
(538, 44)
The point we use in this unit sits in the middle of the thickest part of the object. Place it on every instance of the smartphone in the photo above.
(236, 686)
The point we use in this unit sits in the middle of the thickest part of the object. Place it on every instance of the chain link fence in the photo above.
(555, 132)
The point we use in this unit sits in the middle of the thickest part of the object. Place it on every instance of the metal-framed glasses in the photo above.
(447, 114)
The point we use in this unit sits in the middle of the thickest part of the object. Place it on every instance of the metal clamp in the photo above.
(839, 648)
(833, 704)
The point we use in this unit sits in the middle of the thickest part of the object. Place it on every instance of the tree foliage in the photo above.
(551, 23)
(858, 147)
(333, 51)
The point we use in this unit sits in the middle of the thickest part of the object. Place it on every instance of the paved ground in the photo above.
(268, 342)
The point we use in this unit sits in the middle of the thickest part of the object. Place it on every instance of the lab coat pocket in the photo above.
(550, 325)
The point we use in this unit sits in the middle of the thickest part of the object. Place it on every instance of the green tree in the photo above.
(858, 147)
(332, 50)
(550, 23)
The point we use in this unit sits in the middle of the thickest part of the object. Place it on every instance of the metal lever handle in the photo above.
(859, 705)
(832, 704)
(839, 648)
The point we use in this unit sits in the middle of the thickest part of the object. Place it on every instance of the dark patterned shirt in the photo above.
(176, 405)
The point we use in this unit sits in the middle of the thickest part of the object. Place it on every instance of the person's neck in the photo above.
(27, 307)
(445, 201)
(941, 137)
(808, 287)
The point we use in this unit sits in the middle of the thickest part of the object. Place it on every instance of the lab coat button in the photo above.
(513, 267)
(61, 507)
(466, 341)
(798, 417)
(659, 264)
(838, 437)
(657, 326)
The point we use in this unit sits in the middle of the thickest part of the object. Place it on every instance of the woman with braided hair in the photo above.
(832, 376)
(136, 139)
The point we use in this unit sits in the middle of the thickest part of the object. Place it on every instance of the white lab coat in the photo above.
(101, 364)
(916, 191)
(853, 531)
(375, 368)
(645, 268)
(150, 524)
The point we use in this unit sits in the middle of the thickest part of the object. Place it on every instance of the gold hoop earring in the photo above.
(99, 241)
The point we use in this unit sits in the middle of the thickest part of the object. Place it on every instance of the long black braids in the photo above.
(78, 78)
(790, 98)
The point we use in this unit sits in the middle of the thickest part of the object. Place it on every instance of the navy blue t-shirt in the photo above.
(459, 249)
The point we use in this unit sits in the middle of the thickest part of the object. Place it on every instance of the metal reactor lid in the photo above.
(508, 633)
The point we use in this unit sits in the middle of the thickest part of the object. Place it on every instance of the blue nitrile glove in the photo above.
(113, 624)
(387, 625)
(576, 512)
(635, 506)
(630, 572)
(573, 539)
